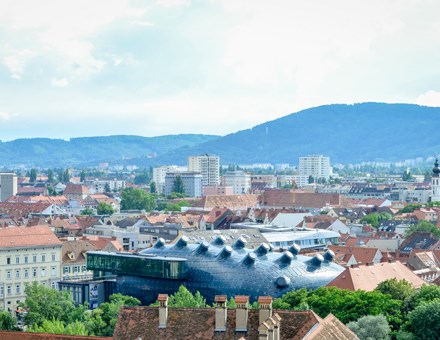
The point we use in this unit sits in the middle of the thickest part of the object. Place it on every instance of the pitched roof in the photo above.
(73, 251)
(78, 189)
(228, 201)
(419, 240)
(330, 328)
(367, 277)
(361, 254)
(5, 335)
(13, 237)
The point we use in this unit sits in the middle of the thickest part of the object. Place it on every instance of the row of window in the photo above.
(75, 269)
(18, 288)
(26, 273)
(26, 258)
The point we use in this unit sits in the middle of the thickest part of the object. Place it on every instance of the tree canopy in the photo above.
(104, 209)
(137, 199)
(371, 327)
(423, 226)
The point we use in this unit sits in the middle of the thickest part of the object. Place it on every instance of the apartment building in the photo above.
(8, 185)
(192, 182)
(159, 174)
(317, 166)
(27, 254)
(239, 180)
(208, 166)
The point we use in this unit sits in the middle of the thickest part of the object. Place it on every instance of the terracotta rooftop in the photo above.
(362, 255)
(75, 189)
(228, 201)
(367, 277)
(241, 299)
(220, 298)
(27, 236)
(162, 297)
(330, 328)
(265, 300)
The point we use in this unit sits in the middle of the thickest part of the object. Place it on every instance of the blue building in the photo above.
(213, 269)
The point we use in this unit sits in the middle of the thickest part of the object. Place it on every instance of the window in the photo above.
(84, 268)
(26, 259)
(53, 285)
(8, 274)
(17, 274)
(43, 272)
(8, 260)
(34, 258)
(43, 258)
(53, 257)
(17, 260)
(53, 271)
(2, 290)
(9, 290)
(66, 270)
(17, 289)
(26, 273)
(34, 272)
(75, 269)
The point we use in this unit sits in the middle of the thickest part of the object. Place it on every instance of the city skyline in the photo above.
(179, 66)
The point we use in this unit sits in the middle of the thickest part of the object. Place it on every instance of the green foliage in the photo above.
(104, 209)
(175, 195)
(375, 218)
(178, 186)
(57, 327)
(153, 188)
(174, 206)
(87, 212)
(410, 208)
(50, 176)
(184, 298)
(425, 294)
(82, 176)
(424, 320)
(231, 303)
(399, 290)
(107, 187)
(66, 176)
(137, 199)
(407, 175)
(423, 226)
(33, 176)
(371, 327)
(7, 322)
(311, 180)
(143, 178)
(43, 303)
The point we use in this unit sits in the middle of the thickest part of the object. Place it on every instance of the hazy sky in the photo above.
(101, 67)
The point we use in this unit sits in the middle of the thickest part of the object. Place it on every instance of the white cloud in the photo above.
(173, 3)
(5, 116)
(430, 98)
(63, 82)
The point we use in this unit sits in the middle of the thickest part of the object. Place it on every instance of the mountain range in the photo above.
(346, 133)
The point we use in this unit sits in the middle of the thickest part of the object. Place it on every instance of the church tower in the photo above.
(435, 183)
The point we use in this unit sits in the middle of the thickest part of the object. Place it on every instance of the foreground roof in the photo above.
(13, 237)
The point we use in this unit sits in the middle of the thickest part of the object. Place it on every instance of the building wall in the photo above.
(208, 166)
(239, 180)
(192, 182)
(159, 174)
(19, 266)
(217, 190)
(8, 186)
(317, 166)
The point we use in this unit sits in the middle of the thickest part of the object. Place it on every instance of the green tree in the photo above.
(50, 176)
(178, 185)
(66, 176)
(57, 327)
(7, 322)
(399, 290)
(184, 298)
(311, 179)
(137, 199)
(82, 176)
(372, 219)
(104, 209)
(107, 188)
(371, 327)
(33, 176)
(153, 188)
(423, 226)
(407, 175)
(87, 212)
(43, 303)
(424, 321)
(425, 294)
(143, 178)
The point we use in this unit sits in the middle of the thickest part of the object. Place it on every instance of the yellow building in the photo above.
(27, 254)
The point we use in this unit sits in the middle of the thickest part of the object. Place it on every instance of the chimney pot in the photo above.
(265, 312)
(221, 312)
(163, 310)
(241, 321)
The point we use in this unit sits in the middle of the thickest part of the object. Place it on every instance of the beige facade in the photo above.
(8, 185)
(208, 166)
(27, 254)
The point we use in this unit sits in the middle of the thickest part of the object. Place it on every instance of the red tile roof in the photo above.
(27, 236)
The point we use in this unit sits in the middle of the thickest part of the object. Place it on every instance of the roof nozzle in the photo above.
(294, 249)
(225, 252)
(287, 257)
(240, 243)
(317, 260)
(329, 256)
(182, 243)
(249, 260)
(202, 248)
(262, 249)
(159, 243)
(220, 240)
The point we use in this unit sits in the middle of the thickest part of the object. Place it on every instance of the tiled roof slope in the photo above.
(199, 323)
(367, 277)
(228, 201)
(330, 328)
(27, 237)
(44, 336)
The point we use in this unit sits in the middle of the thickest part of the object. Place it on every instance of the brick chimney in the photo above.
(221, 311)
(265, 312)
(241, 321)
(163, 310)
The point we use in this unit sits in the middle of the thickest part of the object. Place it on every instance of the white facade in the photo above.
(435, 183)
(8, 185)
(208, 166)
(192, 182)
(317, 166)
(98, 186)
(239, 180)
(159, 174)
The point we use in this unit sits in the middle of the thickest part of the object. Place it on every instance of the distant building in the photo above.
(99, 186)
(8, 185)
(192, 181)
(435, 183)
(159, 174)
(217, 190)
(317, 166)
(239, 180)
(208, 166)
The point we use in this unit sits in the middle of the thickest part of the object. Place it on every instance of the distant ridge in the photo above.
(347, 133)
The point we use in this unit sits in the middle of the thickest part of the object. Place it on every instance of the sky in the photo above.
(155, 67)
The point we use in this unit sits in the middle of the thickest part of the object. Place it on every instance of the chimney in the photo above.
(276, 330)
(265, 312)
(163, 310)
(221, 311)
(263, 331)
(242, 302)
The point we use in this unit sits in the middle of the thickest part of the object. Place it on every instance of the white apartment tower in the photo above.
(435, 183)
(317, 166)
(208, 166)
(8, 185)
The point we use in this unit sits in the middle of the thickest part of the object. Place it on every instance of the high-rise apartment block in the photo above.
(208, 166)
(317, 166)
(239, 180)
(8, 185)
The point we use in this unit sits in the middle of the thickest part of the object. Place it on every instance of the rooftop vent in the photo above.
(202, 248)
(249, 260)
(182, 243)
(225, 252)
(329, 255)
(295, 249)
(287, 257)
(219, 240)
(160, 243)
(262, 249)
(282, 281)
(240, 243)
(317, 260)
